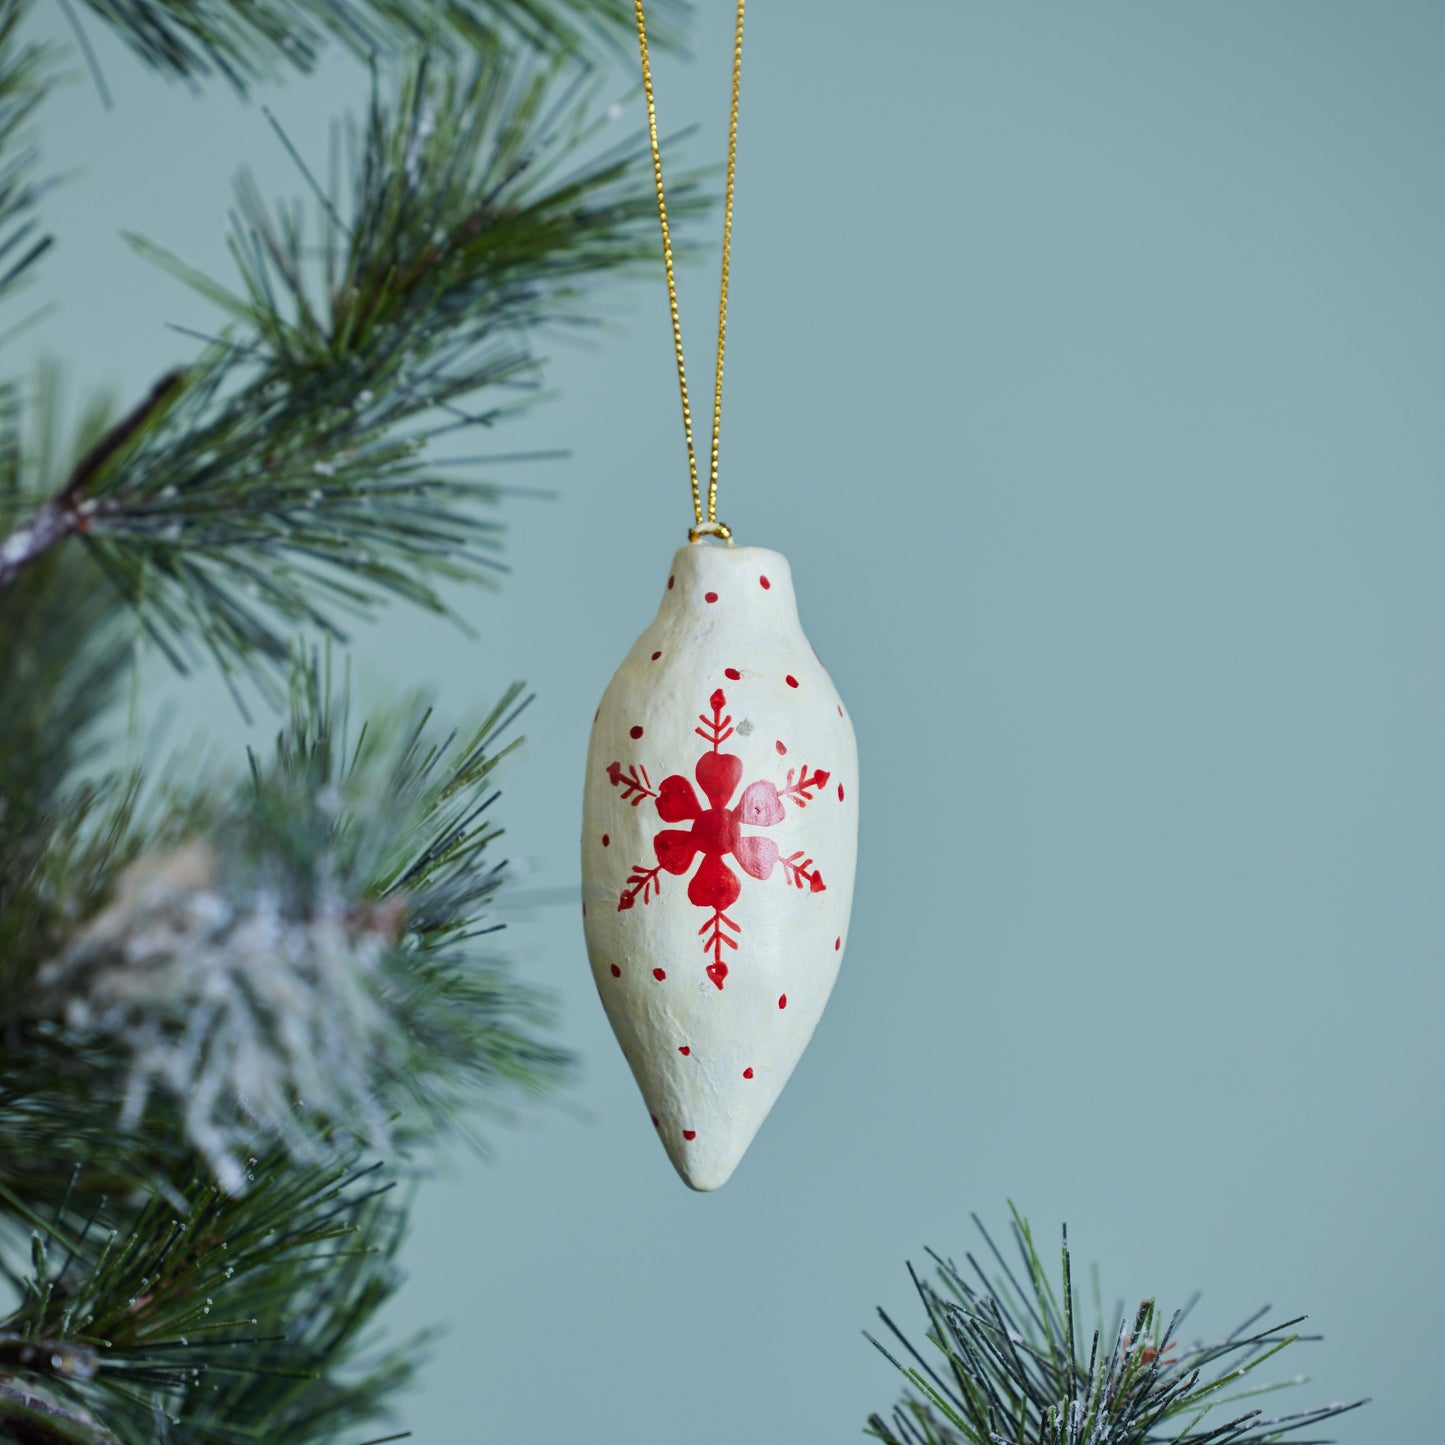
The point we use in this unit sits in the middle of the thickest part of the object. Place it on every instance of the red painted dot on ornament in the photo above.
(765, 584)
(670, 581)
(837, 943)
(840, 792)
(607, 840)
(653, 1117)
(635, 732)
(791, 680)
(709, 596)
(747, 1073)
(689, 1135)
(782, 1000)
(733, 673)
(616, 972)
(656, 655)
(781, 749)
(659, 974)
(684, 1049)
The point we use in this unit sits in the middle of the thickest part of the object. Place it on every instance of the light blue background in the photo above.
(1088, 363)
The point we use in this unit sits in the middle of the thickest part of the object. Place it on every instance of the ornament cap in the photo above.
(737, 590)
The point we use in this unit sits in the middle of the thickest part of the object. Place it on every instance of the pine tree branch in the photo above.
(62, 654)
(250, 40)
(286, 478)
(65, 513)
(60, 657)
(29, 1419)
(1016, 1370)
(200, 1316)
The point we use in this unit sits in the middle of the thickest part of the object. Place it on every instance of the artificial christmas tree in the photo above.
(224, 997)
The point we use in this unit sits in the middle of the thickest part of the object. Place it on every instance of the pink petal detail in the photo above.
(760, 806)
(756, 856)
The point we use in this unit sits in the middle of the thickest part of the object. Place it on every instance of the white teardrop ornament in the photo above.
(719, 836)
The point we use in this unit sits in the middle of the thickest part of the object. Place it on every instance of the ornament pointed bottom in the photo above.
(718, 849)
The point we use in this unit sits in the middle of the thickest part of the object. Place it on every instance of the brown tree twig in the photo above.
(37, 1421)
(63, 514)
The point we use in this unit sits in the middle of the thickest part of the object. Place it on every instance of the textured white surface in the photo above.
(719, 837)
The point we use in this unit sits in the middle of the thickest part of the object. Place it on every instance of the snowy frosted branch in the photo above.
(300, 962)
(252, 1023)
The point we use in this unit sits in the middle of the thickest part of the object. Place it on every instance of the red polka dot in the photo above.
(747, 1073)
(709, 596)
(840, 792)
(765, 584)
(670, 581)
(689, 1135)
(733, 673)
(684, 1049)
(616, 972)
(791, 680)
(656, 655)
(837, 943)
(635, 732)
(607, 840)
(653, 1117)
(782, 1000)
(659, 974)
(781, 749)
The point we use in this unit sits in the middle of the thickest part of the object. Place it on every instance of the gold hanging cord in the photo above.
(711, 527)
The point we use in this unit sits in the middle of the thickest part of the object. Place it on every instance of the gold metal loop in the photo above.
(710, 529)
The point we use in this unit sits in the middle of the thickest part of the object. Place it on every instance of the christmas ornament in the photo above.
(718, 841)
(719, 828)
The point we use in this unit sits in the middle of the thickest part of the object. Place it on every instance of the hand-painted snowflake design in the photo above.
(717, 832)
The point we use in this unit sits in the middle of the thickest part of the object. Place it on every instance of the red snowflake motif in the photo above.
(717, 832)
